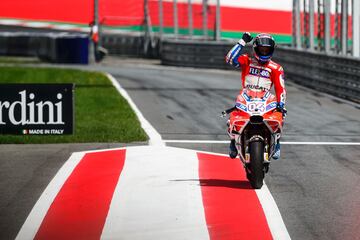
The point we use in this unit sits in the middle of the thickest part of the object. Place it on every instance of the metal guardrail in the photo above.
(195, 53)
(125, 45)
(130, 45)
(339, 76)
(336, 75)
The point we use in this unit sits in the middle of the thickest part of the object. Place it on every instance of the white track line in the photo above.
(154, 137)
(285, 143)
(323, 143)
(272, 213)
(149, 202)
(37, 214)
(273, 216)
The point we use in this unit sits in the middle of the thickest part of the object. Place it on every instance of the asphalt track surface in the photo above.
(315, 186)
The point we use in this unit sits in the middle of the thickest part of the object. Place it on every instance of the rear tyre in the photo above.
(256, 165)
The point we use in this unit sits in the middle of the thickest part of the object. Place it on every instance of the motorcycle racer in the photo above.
(258, 73)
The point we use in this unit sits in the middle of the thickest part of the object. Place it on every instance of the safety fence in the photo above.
(339, 76)
(336, 75)
(59, 47)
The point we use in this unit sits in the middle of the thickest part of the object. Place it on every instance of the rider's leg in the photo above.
(232, 148)
(276, 155)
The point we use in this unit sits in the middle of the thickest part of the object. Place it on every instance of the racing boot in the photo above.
(276, 155)
(233, 151)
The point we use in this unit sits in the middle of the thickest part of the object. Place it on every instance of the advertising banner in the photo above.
(36, 109)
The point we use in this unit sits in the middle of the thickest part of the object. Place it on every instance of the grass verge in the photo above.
(18, 60)
(101, 113)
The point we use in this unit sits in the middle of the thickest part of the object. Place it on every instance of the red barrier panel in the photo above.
(79, 11)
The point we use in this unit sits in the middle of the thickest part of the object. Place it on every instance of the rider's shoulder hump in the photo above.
(275, 65)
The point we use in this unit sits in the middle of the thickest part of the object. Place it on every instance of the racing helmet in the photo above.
(263, 45)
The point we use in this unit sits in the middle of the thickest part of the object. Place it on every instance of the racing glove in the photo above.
(246, 37)
(234, 53)
(280, 107)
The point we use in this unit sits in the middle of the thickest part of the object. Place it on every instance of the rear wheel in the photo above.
(256, 166)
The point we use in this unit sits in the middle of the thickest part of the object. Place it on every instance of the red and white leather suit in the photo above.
(258, 77)
(261, 77)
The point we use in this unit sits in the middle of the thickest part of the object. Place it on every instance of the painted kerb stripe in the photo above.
(232, 208)
(157, 197)
(80, 208)
(37, 214)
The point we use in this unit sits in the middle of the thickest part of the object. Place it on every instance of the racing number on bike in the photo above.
(256, 107)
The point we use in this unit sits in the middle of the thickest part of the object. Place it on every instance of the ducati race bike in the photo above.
(256, 125)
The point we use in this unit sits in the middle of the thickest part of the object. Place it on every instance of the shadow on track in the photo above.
(239, 184)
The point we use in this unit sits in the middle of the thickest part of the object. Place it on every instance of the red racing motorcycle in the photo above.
(257, 126)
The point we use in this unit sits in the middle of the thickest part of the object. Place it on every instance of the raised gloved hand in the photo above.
(281, 108)
(234, 53)
(246, 37)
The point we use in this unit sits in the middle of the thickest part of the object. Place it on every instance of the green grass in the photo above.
(101, 114)
(18, 60)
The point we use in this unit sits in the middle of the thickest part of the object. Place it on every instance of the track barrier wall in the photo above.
(50, 47)
(195, 53)
(333, 74)
(130, 45)
(124, 45)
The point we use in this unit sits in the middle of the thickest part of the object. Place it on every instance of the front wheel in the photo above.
(255, 171)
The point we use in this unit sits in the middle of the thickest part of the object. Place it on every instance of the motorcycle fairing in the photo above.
(240, 119)
(241, 106)
(246, 97)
